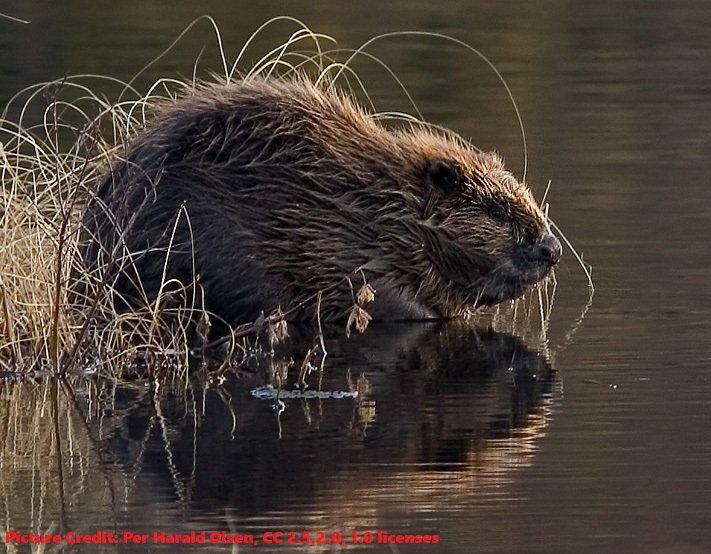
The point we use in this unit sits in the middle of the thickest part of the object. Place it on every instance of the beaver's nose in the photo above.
(547, 250)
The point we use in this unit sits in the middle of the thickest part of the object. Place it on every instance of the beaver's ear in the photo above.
(444, 175)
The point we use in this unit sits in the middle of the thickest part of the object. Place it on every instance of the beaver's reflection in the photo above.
(442, 408)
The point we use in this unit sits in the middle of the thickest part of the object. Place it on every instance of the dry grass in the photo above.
(47, 169)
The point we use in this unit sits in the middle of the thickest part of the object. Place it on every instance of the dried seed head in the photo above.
(365, 295)
(279, 330)
(203, 326)
(359, 319)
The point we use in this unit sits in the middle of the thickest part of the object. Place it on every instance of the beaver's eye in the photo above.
(497, 213)
(444, 175)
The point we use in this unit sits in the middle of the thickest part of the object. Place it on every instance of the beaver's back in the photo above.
(241, 187)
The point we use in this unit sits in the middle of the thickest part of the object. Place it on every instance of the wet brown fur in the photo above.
(270, 191)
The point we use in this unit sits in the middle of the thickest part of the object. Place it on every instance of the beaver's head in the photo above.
(484, 236)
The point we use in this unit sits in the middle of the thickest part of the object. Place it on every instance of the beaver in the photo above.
(269, 191)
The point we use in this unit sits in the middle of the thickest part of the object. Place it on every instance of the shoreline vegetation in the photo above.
(49, 166)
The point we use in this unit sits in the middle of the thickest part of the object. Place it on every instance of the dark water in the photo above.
(492, 442)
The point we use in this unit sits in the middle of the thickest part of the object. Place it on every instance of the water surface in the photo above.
(599, 442)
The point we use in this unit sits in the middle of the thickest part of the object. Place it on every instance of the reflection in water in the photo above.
(429, 412)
